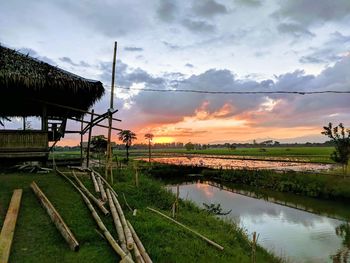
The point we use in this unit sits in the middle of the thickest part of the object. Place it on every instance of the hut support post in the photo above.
(81, 140)
(89, 140)
(109, 148)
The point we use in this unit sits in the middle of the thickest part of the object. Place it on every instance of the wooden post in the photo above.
(89, 140)
(56, 218)
(253, 259)
(177, 200)
(8, 229)
(81, 140)
(108, 168)
(24, 123)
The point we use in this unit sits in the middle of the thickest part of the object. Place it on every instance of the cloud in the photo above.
(133, 49)
(189, 65)
(72, 63)
(170, 45)
(208, 8)
(250, 3)
(336, 47)
(294, 29)
(313, 12)
(198, 26)
(32, 53)
(167, 10)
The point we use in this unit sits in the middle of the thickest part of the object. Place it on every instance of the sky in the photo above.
(215, 45)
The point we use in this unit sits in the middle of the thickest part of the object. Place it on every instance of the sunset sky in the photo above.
(232, 45)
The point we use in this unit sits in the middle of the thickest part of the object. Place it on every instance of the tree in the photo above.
(127, 136)
(189, 146)
(149, 137)
(341, 140)
(99, 143)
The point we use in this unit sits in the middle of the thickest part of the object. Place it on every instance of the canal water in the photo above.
(230, 163)
(298, 229)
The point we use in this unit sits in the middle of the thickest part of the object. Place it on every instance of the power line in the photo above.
(236, 92)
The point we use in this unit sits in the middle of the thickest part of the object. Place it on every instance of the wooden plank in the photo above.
(8, 229)
(56, 218)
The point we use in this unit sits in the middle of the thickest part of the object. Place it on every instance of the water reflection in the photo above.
(298, 235)
(228, 163)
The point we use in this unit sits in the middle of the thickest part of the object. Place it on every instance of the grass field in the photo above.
(309, 154)
(37, 240)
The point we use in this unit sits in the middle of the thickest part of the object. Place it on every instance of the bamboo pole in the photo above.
(137, 255)
(139, 244)
(8, 229)
(127, 232)
(102, 189)
(93, 178)
(108, 168)
(105, 181)
(125, 258)
(56, 218)
(117, 222)
(84, 189)
(187, 228)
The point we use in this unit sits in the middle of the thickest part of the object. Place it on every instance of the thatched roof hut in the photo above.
(26, 83)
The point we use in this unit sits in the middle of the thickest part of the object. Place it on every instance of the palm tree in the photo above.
(127, 136)
(149, 137)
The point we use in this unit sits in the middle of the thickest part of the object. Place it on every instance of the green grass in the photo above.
(37, 240)
(308, 154)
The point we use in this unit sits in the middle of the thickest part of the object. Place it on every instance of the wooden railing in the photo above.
(18, 143)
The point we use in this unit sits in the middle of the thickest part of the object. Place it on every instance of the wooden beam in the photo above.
(56, 218)
(8, 229)
(71, 108)
(98, 125)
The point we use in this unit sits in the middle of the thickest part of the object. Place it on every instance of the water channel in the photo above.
(299, 229)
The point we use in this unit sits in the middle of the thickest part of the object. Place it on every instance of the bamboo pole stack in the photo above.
(8, 229)
(127, 232)
(92, 197)
(117, 221)
(56, 218)
(102, 189)
(125, 257)
(139, 245)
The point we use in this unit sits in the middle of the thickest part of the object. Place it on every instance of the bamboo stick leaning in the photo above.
(105, 181)
(139, 244)
(117, 222)
(102, 189)
(127, 232)
(125, 257)
(187, 228)
(92, 197)
(56, 218)
(8, 229)
(93, 178)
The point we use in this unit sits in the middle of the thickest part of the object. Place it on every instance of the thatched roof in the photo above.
(25, 82)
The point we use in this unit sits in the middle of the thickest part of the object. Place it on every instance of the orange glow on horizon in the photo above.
(163, 140)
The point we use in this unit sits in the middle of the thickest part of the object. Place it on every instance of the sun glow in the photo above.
(163, 139)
